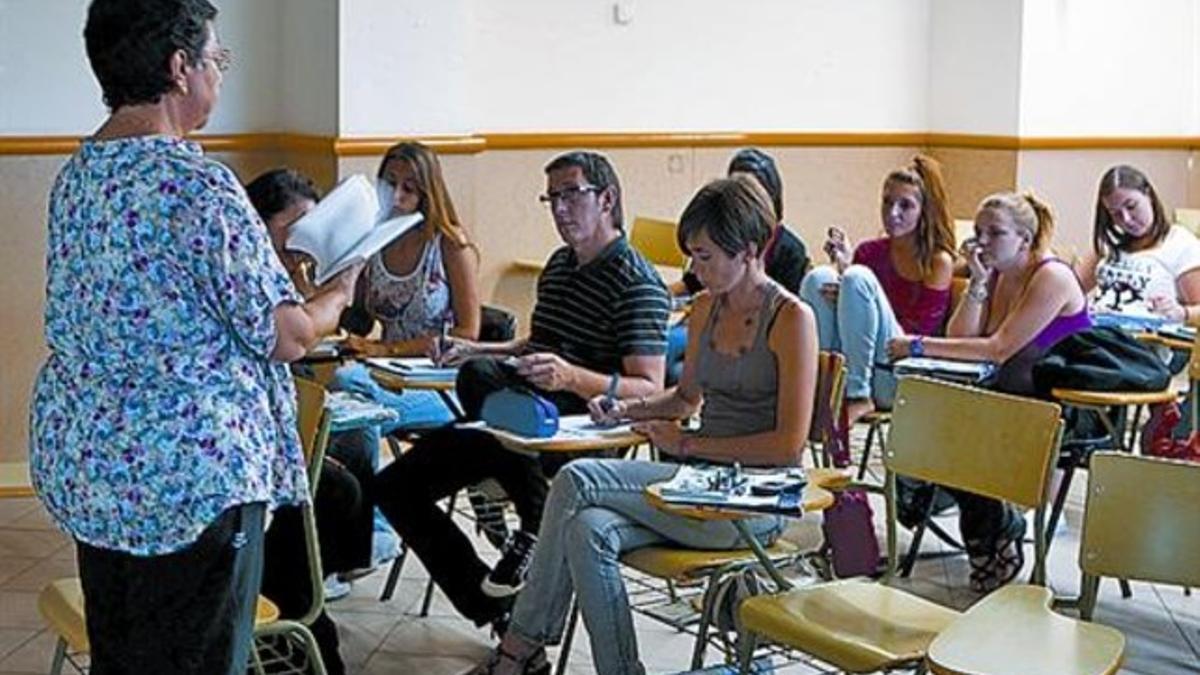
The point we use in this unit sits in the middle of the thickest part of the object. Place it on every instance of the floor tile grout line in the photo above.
(1171, 615)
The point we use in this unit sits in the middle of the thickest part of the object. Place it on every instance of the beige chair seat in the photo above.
(858, 625)
(678, 563)
(1014, 632)
(61, 605)
(1112, 398)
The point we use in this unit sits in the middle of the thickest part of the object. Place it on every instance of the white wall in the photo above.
(47, 87)
(975, 66)
(45, 84)
(1110, 67)
(482, 65)
(404, 66)
(306, 89)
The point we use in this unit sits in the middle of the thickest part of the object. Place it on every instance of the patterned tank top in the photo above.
(414, 304)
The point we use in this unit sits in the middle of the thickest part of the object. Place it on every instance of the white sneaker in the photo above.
(335, 588)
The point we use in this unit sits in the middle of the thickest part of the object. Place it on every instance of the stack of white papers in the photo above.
(775, 491)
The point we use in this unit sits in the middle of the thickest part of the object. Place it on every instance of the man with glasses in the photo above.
(598, 326)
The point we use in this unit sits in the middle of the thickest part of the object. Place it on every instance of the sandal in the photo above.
(989, 572)
(534, 663)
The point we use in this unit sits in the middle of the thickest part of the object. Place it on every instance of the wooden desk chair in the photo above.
(61, 602)
(280, 656)
(673, 564)
(1139, 523)
(863, 626)
(655, 239)
(878, 419)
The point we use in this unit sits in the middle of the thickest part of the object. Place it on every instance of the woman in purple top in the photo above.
(895, 285)
(1020, 302)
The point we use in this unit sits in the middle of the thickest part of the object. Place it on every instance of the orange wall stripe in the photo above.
(475, 143)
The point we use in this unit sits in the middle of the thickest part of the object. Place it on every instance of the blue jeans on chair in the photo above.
(596, 511)
(418, 409)
(859, 327)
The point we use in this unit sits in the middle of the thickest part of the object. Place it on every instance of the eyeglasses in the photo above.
(222, 59)
(568, 195)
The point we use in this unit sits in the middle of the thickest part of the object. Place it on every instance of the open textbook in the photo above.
(345, 227)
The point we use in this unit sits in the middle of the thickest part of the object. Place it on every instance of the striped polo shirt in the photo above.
(595, 314)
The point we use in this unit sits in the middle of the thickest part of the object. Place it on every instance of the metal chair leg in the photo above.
(389, 587)
(747, 643)
(706, 616)
(866, 454)
(60, 655)
(564, 649)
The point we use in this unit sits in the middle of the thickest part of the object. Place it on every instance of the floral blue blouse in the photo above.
(158, 407)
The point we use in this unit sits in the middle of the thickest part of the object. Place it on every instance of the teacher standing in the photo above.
(163, 421)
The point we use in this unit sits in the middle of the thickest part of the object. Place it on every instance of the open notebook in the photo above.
(345, 227)
(571, 428)
(414, 368)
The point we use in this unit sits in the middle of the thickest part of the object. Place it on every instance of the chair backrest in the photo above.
(1140, 519)
(827, 405)
(313, 422)
(992, 444)
(655, 239)
(1189, 218)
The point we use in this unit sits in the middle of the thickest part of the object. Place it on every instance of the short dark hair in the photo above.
(278, 189)
(598, 171)
(130, 42)
(1107, 238)
(760, 165)
(734, 213)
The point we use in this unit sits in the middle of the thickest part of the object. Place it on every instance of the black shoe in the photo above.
(508, 576)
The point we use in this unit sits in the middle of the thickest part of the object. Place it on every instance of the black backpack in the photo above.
(1100, 359)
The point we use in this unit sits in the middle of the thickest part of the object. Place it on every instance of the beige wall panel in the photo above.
(24, 188)
(1067, 179)
(822, 186)
(972, 174)
(1193, 175)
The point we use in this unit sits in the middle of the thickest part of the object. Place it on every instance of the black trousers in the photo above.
(450, 459)
(187, 612)
(985, 523)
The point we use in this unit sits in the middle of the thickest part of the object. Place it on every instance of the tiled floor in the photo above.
(1161, 624)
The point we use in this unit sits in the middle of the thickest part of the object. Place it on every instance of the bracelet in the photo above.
(916, 347)
(977, 292)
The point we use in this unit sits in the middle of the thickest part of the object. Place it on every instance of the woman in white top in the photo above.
(1140, 263)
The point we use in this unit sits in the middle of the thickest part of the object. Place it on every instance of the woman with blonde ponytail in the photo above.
(1020, 302)
(895, 285)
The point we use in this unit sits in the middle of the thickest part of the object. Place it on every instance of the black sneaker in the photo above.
(508, 576)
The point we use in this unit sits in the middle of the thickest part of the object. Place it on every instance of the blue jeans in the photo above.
(595, 512)
(859, 327)
(417, 408)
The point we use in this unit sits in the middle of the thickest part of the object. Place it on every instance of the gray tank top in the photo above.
(740, 391)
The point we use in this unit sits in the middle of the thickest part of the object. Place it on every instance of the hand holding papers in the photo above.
(345, 228)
